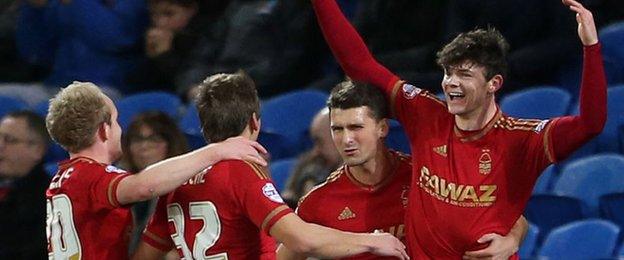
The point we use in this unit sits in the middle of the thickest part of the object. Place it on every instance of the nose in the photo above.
(348, 137)
(450, 81)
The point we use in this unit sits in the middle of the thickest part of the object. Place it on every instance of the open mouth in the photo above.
(350, 151)
(455, 96)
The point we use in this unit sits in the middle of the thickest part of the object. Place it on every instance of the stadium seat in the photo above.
(9, 104)
(50, 168)
(550, 211)
(612, 40)
(544, 183)
(41, 108)
(289, 116)
(589, 178)
(621, 252)
(132, 105)
(191, 127)
(530, 241)
(396, 138)
(608, 141)
(55, 153)
(612, 208)
(276, 144)
(540, 102)
(280, 171)
(586, 239)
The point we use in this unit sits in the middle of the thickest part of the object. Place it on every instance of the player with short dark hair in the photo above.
(473, 167)
(370, 191)
(222, 211)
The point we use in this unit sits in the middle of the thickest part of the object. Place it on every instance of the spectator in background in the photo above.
(23, 181)
(151, 137)
(89, 40)
(276, 42)
(536, 55)
(314, 165)
(176, 26)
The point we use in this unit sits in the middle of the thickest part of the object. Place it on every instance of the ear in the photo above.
(495, 83)
(254, 122)
(103, 131)
(384, 128)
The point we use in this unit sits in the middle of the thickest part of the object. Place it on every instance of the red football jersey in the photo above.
(344, 203)
(218, 213)
(465, 184)
(84, 219)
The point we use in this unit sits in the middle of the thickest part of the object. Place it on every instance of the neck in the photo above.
(94, 152)
(477, 119)
(373, 171)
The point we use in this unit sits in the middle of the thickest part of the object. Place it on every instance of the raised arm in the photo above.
(571, 132)
(349, 48)
(318, 241)
(165, 176)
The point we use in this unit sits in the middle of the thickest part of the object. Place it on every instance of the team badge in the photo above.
(346, 214)
(410, 91)
(270, 192)
(485, 162)
(441, 150)
(113, 169)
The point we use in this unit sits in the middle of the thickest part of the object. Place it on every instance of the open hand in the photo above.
(500, 248)
(585, 19)
(387, 245)
(241, 148)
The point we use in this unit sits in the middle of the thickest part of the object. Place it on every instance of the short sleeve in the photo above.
(156, 233)
(258, 196)
(410, 104)
(103, 189)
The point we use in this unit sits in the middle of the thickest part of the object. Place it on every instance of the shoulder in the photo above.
(323, 189)
(508, 123)
(242, 168)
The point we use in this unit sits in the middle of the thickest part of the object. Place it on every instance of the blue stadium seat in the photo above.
(42, 108)
(550, 211)
(397, 139)
(191, 127)
(132, 105)
(280, 171)
(544, 183)
(9, 104)
(55, 153)
(612, 208)
(276, 144)
(612, 40)
(530, 241)
(621, 251)
(608, 141)
(289, 116)
(50, 168)
(589, 178)
(540, 102)
(586, 239)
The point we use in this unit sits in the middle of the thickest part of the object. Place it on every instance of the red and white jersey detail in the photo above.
(344, 203)
(465, 184)
(84, 218)
(220, 212)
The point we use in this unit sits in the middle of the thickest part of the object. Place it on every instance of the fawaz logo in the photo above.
(441, 150)
(456, 194)
(485, 162)
(346, 214)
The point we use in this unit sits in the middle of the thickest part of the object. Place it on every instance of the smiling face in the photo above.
(357, 135)
(466, 89)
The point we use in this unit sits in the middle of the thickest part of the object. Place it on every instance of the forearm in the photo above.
(349, 48)
(519, 230)
(163, 177)
(317, 241)
(571, 132)
(283, 253)
(147, 252)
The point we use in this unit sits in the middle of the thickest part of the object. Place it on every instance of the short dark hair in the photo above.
(484, 47)
(349, 94)
(35, 123)
(225, 104)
